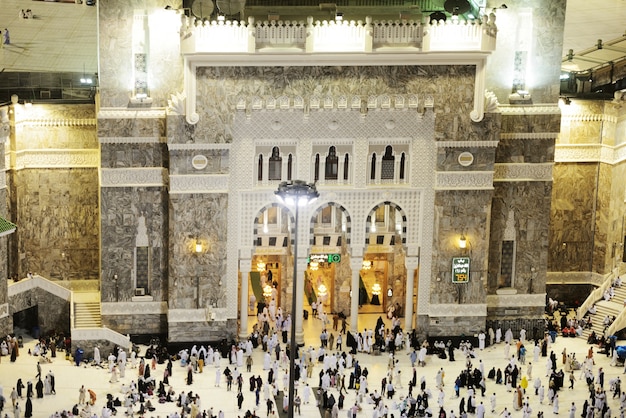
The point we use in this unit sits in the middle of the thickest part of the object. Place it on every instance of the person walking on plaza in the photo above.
(6, 37)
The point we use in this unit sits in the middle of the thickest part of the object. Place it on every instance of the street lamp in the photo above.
(295, 193)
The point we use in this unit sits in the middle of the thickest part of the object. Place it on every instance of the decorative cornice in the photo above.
(385, 141)
(523, 172)
(39, 282)
(589, 117)
(516, 301)
(133, 177)
(202, 147)
(46, 123)
(529, 135)
(195, 315)
(4, 310)
(464, 180)
(539, 109)
(132, 140)
(205, 183)
(466, 144)
(124, 113)
(590, 153)
(457, 310)
(134, 308)
(57, 158)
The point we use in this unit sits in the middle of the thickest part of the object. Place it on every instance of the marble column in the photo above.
(355, 263)
(298, 314)
(244, 270)
(411, 266)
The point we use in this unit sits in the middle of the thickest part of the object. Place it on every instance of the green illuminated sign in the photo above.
(325, 258)
(460, 269)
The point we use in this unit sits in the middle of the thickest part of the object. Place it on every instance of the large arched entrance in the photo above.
(327, 277)
(382, 279)
(271, 260)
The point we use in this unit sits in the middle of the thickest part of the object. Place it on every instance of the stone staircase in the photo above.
(87, 315)
(611, 308)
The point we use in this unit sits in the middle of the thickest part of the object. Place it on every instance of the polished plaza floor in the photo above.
(62, 37)
(69, 378)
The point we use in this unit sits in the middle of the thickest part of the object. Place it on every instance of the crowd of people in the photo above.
(329, 375)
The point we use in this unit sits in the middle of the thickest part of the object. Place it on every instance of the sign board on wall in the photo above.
(460, 269)
(325, 258)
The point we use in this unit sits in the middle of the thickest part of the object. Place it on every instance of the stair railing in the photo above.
(617, 325)
(72, 316)
(595, 296)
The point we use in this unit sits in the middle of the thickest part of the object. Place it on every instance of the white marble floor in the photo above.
(62, 37)
(69, 378)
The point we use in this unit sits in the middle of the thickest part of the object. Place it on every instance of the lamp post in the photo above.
(295, 193)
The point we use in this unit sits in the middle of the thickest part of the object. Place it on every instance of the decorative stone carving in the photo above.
(57, 158)
(176, 103)
(132, 177)
(134, 308)
(589, 153)
(186, 315)
(4, 310)
(132, 140)
(509, 230)
(464, 180)
(37, 123)
(516, 300)
(464, 310)
(530, 110)
(523, 172)
(198, 183)
(466, 144)
(125, 113)
(491, 102)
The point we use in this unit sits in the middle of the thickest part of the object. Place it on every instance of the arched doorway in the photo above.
(271, 260)
(382, 279)
(327, 278)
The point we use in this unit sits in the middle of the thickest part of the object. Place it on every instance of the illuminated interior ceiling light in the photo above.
(462, 242)
(339, 17)
(267, 291)
(367, 265)
(84, 79)
(314, 265)
(322, 290)
(260, 266)
(376, 289)
(198, 247)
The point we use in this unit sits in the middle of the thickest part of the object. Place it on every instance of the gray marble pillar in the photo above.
(356, 263)
(244, 270)
(299, 295)
(411, 266)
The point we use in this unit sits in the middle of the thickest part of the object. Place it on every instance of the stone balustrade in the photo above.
(310, 37)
